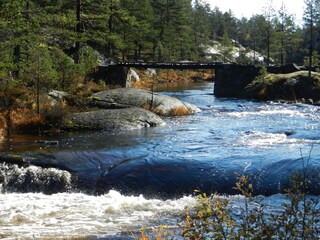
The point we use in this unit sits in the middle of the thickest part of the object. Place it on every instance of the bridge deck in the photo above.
(172, 65)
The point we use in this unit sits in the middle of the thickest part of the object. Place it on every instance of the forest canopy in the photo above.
(151, 30)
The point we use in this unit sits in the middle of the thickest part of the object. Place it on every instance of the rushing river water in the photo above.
(104, 183)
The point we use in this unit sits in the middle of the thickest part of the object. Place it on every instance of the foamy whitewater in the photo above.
(62, 216)
(74, 216)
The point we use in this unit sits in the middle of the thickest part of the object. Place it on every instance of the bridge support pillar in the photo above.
(113, 74)
(231, 80)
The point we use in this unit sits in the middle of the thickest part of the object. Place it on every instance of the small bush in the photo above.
(215, 218)
(53, 116)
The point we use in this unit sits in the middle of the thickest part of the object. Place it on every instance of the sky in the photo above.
(247, 8)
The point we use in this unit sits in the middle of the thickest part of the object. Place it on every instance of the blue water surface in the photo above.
(207, 151)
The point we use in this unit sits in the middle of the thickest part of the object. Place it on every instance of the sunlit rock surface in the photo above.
(157, 103)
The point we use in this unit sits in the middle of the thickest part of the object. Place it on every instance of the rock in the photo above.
(113, 119)
(151, 72)
(288, 68)
(157, 103)
(58, 94)
(132, 75)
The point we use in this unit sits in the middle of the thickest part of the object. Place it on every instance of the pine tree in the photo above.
(311, 19)
(13, 34)
(269, 15)
(200, 26)
(283, 36)
(227, 47)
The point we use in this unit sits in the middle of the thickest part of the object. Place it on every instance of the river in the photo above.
(99, 184)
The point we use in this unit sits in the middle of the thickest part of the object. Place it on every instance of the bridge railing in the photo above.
(173, 65)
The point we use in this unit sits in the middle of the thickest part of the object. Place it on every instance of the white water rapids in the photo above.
(63, 216)
(80, 216)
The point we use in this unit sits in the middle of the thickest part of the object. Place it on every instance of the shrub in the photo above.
(215, 218)
(53, 115)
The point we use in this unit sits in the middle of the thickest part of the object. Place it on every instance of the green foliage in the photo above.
(215, 219)
(299, 218)
(315, 59)
(226, 47)
(68, 72)
(212, 220)
(11, 93)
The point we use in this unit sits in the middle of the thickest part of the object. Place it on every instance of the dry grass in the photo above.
(168, 75)
(153, 109)
(89, 88)
(2, 127)
(25, 119)
(180, 111)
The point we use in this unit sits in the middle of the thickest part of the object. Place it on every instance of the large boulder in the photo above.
(288, 68)
(113, 119)
(157, 103)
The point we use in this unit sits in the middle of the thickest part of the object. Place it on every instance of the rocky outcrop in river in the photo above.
(113, 119)
(126, 109)
(157, 103)
(275, 83)
(295, 86)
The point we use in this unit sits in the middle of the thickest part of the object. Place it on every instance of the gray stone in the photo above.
(113, 119)
(157, 103)
(150, 72)
(58, 94)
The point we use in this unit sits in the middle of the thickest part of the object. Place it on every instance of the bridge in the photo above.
(230, 79)
(171, 65)
(116, 73)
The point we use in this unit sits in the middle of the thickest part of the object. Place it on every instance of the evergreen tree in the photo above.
(140, 36)
(311, 19)
(257, 34)
(283, 36)
(269, 15)
(13, 33)
(227, 47)
(201, 22)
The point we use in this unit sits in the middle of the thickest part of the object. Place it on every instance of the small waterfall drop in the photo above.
(14, 178)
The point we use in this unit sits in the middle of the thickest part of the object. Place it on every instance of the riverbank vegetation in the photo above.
(47, 45)
(217, 217)
(290, 87)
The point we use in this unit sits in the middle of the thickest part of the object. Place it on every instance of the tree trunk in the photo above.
(110, 26)
(78, 30)
(311, 41)
(38, 95)
(16, 61)
(8, 125)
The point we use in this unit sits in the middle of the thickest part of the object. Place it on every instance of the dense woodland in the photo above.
(58, 34)
(47, 44)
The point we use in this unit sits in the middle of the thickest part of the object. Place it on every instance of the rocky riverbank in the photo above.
(91, 107)
(126, 109)
(287, 83)
(294, 87)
